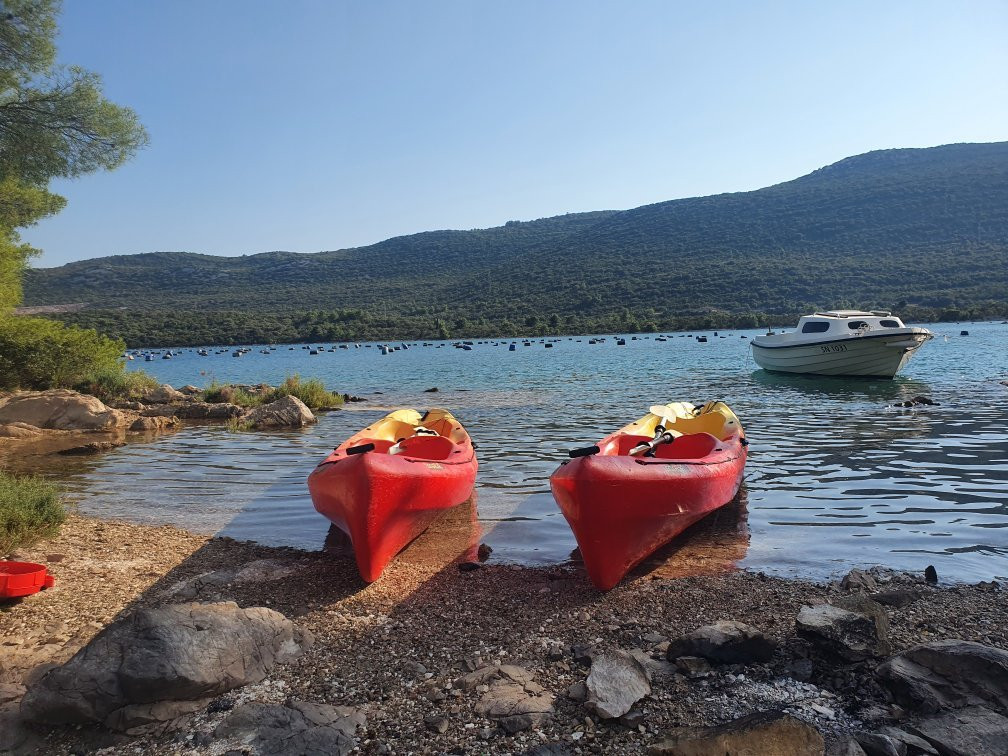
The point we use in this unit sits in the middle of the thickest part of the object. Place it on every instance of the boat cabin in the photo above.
(840, 322)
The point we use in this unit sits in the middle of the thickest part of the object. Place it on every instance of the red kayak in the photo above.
(385, 485)
(640, 487)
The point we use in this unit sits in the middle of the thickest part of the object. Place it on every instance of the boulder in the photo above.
(973, 731)
(858, 581)
(295, 727)
(765, 732)
(148, 424)
(288, 411)
(849, 635)
(59, 409)
(163, 394)
(155, 665)
(616, 682)
(726, 642)
(512, 697)
(947, 674)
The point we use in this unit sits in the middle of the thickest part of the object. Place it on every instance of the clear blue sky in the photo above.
(315, 125)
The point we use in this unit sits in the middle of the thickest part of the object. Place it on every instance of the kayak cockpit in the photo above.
(691, 446)
(435, 436)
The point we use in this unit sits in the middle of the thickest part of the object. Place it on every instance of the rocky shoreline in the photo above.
(63, 421)
(445, 654)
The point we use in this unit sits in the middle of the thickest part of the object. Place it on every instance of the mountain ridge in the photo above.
(924, 226)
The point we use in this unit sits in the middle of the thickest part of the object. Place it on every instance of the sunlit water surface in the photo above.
(837, 475)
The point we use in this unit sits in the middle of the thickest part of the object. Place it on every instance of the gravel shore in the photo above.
(393, 649)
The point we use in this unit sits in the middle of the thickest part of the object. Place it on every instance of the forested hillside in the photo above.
(921, 230)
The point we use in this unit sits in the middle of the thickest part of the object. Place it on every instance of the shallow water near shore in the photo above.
(837, 476)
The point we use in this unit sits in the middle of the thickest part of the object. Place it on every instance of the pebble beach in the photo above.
(399, 657)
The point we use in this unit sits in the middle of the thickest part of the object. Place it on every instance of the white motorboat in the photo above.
(841, 342)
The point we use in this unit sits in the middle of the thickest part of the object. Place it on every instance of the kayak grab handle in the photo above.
(360, 449)
(585, 451)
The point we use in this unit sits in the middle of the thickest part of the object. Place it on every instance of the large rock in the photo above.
(163, 394)
(727, 642)
(948, 674)
(849, 635)
(295, 728)
(513, 699)
(59, 409)
(973, 731)
(157, 664)
(765, 732)
(288, 411)
(616, 682)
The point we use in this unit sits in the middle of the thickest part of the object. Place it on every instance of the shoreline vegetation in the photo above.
(418, 661)
(140, 329)
(30, 511)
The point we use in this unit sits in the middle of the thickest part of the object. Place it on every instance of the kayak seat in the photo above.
(713, 423)
(693, 446)
(381, 445)
(627, 441)
(426, 447)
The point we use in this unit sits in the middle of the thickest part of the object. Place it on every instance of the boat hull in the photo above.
(384, 497)
(871, 355)
(383, 502)
(622, 509)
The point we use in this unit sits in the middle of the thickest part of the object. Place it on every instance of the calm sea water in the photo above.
(837, 476)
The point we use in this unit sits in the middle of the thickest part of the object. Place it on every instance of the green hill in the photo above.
(922, 230)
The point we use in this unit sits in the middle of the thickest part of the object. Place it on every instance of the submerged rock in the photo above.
(146, 424)
(94, 447)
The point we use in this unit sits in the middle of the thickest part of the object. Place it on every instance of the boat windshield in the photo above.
(815, 326)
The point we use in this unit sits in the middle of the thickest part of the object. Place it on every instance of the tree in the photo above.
(54, 123)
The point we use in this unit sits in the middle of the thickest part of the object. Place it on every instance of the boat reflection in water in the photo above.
(844, 387)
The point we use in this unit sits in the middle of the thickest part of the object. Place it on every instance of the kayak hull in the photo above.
(383, 501)
(623, 508)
